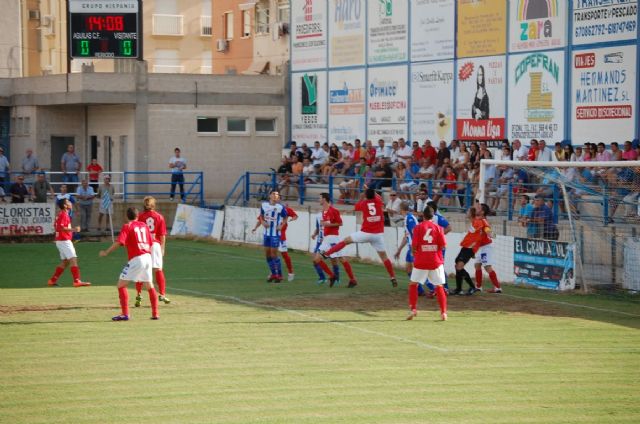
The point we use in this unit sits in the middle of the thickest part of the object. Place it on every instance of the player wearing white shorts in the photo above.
(158, 229)
(484, 255)
(136, 236)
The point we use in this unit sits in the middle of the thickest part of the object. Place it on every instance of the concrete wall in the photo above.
(10, 54)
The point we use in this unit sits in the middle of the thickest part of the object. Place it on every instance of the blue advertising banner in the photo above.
(544, 263)
(193, 221)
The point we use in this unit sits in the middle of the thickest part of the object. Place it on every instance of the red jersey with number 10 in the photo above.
(427, 243)
(63, 221)
(372, 215)
(333, 216)
(136, 237)
(155, 222)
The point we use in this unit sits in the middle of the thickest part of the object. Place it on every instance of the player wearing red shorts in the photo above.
(282, 248)
(135, 236)
(372, 230)
(64, 234)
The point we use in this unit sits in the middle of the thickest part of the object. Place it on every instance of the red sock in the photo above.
(57, 273)
(153, 298)
(138, 287)
(124, 300)
(326, 269)
(335, 248)
(478, 277)
(413, 296)
(442, 299)
(389, 266)
(347, 267)
(494, 279)
(287, 261)
(75, 271)
(162, 283)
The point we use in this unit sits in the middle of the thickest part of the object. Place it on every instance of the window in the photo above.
(236, 125)
(228, 25)
(283, 11)
(246, 23)
(262, 18)
(207, 125)
(265, 125)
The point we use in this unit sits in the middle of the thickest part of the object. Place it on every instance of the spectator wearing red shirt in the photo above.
(94, 170)
(417, 152)
(429, 152)
(370, 153)
(628, 153)
(532, 155)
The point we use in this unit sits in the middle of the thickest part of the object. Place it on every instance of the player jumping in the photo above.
(484, 254)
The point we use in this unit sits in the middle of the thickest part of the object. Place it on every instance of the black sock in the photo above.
(467, 278)
(459, 277)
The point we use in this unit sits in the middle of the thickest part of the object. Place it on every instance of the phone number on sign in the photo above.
(604, 29)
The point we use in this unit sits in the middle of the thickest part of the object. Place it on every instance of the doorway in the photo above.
(59, 148)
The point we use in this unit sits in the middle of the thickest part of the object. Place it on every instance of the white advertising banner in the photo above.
(347, 95)
(597, 21)
(309, 107)
(190, 220)
(432, 101)
(433, 25)
(388, 31)
(308, 34)
(481, 98)
(27, 219)
(347, 21)
(537, 25)
(387, 103)
(536, 96)
(604, 95)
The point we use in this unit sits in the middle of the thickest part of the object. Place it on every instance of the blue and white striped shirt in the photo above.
(274, 216)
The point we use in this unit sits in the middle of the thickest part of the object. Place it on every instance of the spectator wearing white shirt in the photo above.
(454, 148)
(382, 150)
(392, 209)
(544, 153)
(393, 155)
(405, 152)
(319, 155)
(520, 152)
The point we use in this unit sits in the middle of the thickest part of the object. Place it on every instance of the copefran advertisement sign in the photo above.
(388, 31)
(432, 101)
(27, 219)
(481, 27)
(597, 21)
(537, 24)
(347, 96)
(432, 29)
(604, 95)
(308, 34)
(309, 107)
(543, 263)
(536, 96)
(387, 103)
(346, 30)
(481, 98)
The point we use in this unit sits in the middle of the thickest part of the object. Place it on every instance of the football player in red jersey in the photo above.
(158, 229)
(135, 236)
(372, 230)
(484, 254)
(427, 244)
(64, 234)
(282, 248)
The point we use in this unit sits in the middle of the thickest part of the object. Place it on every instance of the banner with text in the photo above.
(432, 105)
(27, 219)
(543, 263)
(308, 34)
(388, 23)
(346, 32)
(481, 27)
(537, 25)
(481, 98)
(387, 103)
(536, 96)
(309, 107)
(604, 95)
(432, 29)
(597, 21)
(347, 95)
(193, 221)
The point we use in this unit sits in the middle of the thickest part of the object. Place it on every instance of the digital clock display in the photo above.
(103, 29)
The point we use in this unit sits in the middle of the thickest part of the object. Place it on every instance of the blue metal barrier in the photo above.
(194, 185)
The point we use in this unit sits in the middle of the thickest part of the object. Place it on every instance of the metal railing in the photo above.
(168, 25)
(58, 178)
(206, 29)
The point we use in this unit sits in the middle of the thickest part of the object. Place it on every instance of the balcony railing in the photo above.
(168, 25)
(205, 26)
(168, 69)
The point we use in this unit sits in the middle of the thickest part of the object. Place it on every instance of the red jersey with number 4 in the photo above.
(63, 221)
(372, 215)
(155, 222)
(136, 237)
(290, 214)
(333, 216)
(427, 243)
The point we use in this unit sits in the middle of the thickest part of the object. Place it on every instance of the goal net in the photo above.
(574, 224)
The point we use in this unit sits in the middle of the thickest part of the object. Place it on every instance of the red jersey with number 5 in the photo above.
(427, 243)
(136, 237)
(63, 221)
(155, 222)
(372, 215)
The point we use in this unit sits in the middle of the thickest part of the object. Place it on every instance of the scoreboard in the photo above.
(104, 29)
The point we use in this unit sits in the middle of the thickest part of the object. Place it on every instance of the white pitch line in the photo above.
(315, 318)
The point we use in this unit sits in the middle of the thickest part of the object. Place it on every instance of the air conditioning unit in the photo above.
(34, 15)
(47, 21)
(47, 25)
(221, 45)
(47, 69)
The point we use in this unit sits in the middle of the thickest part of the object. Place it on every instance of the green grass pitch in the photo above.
(233, 349)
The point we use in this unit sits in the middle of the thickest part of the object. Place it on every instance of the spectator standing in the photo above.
(41, 188)
(542, 217)
(30, 167)
(85, 200)
(177, 164)
(4, 169)
(18, 190)
(94, 170)
(524, 215)
(106, 193)
(71, 166)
